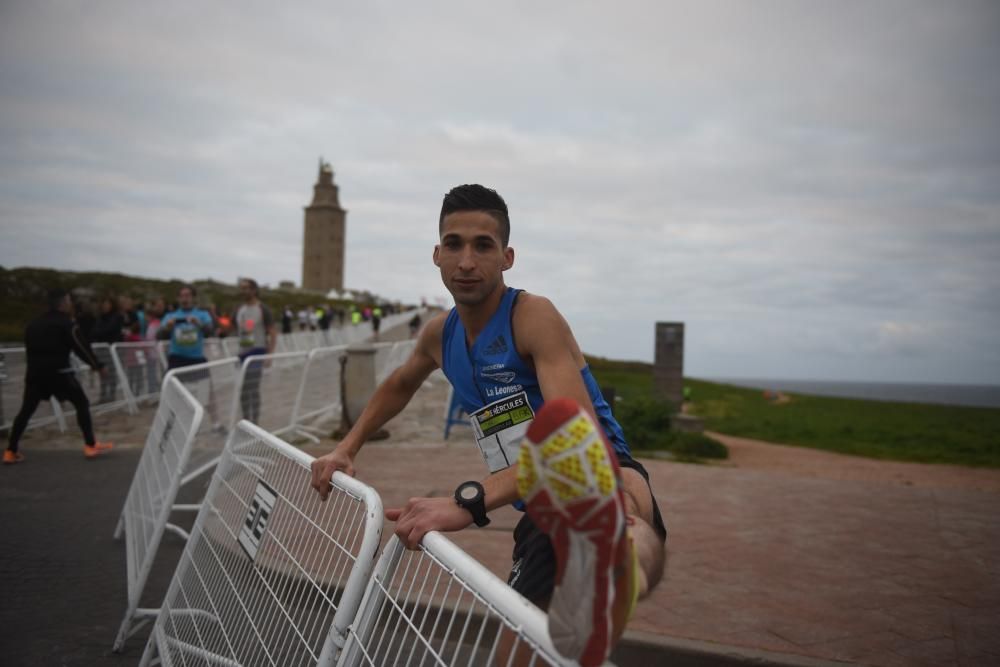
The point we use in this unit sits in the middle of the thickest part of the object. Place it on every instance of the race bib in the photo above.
(499, 428)
(246, 334)
(186, 335)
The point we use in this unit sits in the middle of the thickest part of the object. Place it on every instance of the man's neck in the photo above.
(475, 318)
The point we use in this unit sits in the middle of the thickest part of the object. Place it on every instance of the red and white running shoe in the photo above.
(568, 477)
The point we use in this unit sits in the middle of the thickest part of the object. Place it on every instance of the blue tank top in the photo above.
(491, 369)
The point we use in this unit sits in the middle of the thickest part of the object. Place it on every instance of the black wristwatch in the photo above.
(472, 496)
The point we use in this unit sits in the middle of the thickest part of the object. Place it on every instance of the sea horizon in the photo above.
(968, 395)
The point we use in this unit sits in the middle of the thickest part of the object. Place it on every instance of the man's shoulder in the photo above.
(532, 304)
(434, 329)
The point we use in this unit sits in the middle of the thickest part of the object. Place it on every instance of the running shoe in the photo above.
(10, 458)
(569, 479)
(97, 449)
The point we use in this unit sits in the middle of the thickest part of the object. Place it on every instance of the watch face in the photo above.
(468, 492)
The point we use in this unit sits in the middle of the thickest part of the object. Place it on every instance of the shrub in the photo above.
(697, 446)
(646, 422)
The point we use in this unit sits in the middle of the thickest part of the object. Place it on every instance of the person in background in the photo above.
(157, 309)
(376, 321)
(126, 308)
(48, 341)
(257, 336)
(135, 359)
(287, 316)
(83, 311)
(186, 328)
(108, 329)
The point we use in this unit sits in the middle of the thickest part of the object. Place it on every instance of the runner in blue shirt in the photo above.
(592, 540)
(186, 328)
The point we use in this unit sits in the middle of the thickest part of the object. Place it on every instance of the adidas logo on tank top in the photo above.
(498, 346)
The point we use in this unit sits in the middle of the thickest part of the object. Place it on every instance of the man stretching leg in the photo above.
(592, 540)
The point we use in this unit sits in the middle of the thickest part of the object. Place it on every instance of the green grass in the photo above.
(875, 429)
(646, 421)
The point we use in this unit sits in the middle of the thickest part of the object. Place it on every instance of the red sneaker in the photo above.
(568, 477)
(10, 458)
(97, 449)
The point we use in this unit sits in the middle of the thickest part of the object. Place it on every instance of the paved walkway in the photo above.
(803, 564)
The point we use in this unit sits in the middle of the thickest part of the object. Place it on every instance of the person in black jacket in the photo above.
(48, 341)
(108, 329)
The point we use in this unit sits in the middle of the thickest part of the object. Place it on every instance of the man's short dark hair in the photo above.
(475, 197)
(253, 285)
(187, 286)
(54, 297)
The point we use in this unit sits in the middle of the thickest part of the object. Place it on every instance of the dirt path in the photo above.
(750, 454)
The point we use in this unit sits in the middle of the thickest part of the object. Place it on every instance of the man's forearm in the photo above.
(501, 488)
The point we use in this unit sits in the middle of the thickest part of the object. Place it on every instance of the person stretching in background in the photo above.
(48, 341)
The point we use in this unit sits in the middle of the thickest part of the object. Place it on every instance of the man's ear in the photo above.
(437, 255)
(508, 258)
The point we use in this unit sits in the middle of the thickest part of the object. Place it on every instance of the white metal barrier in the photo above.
(267, 390)
(214, 385)
(319, 399)
(135, 370)
(271, 575)
(161, 348)
(439, 606)
(143, 369)
(217, 387)
(105, 392)
(150, 499)
(13, 364)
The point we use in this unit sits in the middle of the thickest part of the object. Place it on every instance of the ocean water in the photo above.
(984, 396)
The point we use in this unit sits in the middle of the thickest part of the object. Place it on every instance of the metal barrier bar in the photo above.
(440, 606)
(154, 486)
(318, 401)
(105, 392)
(142, 369)
(267, 390)
(271, 575)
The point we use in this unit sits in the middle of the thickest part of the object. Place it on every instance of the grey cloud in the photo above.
(800, 183)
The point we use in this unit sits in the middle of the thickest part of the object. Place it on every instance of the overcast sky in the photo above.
(813, 188)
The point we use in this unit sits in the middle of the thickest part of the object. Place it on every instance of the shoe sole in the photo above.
(568, 478)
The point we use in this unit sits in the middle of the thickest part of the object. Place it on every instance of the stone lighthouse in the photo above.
(324, 235)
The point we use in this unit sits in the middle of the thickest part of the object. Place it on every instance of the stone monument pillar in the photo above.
(357, 386)
(668, 364)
